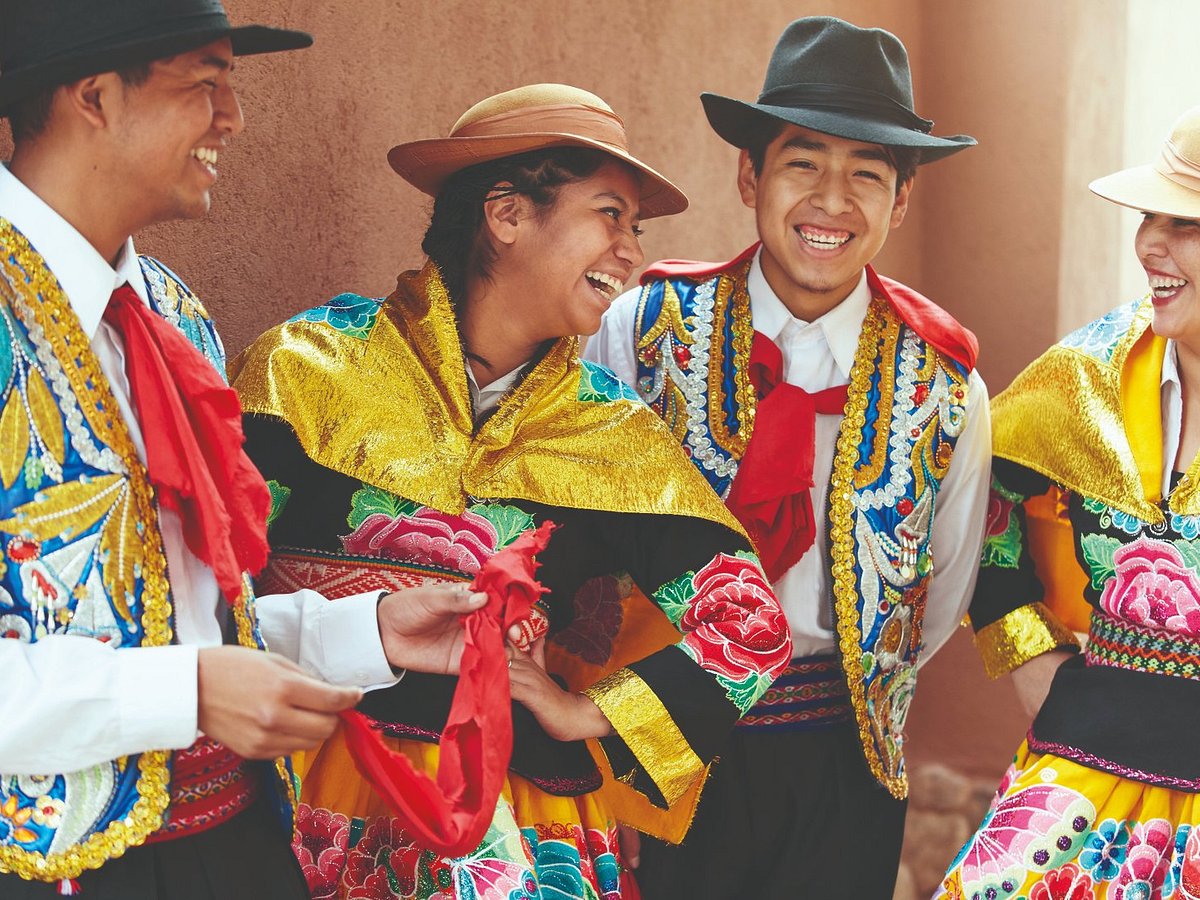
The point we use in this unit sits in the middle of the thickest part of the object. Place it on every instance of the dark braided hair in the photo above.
(455, 240)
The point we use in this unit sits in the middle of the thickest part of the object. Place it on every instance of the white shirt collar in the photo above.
(840, 326)
(86, 277)
(486, 399)
(1170, 368)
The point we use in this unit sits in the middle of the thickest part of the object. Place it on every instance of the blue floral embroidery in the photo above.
(1113, 518)
(349, 314)
(1171, 881)
(598, 384)
(1104, 849)
(1187, 527)
(1099, 339)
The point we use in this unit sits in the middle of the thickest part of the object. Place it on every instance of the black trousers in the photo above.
(246, 858)
(784, 815)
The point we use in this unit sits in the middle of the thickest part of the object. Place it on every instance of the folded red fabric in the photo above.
(451, 815)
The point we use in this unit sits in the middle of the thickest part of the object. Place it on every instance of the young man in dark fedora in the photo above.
(839, 414)
(133, 689)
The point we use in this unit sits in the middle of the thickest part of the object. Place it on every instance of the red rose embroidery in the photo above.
(999, 510)
(734, 624)
(384, 858)
(598, 616)
(1153, 586)
(320, 847)
(1067, 883)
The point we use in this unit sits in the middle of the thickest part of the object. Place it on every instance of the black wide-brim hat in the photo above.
(836, 78)
(45, 43)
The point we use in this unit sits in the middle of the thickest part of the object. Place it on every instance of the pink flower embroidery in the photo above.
(320, 846)
(1153, 586)
(1146, 862)
(734, 622)
(427, 537)
(1189, 875)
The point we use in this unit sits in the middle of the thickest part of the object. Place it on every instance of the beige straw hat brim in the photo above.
(1145, 188)
(427, 164)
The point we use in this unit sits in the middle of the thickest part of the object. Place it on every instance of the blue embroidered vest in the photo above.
(904, 410)
(82, 552)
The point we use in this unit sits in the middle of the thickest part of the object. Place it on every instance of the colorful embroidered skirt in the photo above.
(538, 846)
(1058, 830)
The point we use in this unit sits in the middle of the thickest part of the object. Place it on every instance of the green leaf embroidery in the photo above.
(1190, 553)
(369, 499)
(1003, 551)
(674, 597)
(280, 494)
(1098, 550)
(510, 523)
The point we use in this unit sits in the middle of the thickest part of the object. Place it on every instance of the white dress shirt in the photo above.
(69, 702)
(818, 355)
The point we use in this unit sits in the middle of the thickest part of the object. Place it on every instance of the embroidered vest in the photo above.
(904, 411)
(82, 552)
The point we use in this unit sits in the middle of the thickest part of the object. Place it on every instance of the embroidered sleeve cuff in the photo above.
(643, 723)
(159, 698)
(1019, 636)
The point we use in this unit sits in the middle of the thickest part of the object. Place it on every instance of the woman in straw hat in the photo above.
(1100, 439)
(410, 438)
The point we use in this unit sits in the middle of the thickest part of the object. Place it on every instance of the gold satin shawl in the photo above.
(1095, 426)
(394, 410)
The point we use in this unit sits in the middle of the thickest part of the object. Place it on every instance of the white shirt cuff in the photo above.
(159, 697)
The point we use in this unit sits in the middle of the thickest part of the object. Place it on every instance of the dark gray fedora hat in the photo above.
(839, 79)
(45, 43)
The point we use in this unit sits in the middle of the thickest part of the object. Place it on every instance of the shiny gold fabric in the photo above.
(1094, 427)
(394, 410)
(647, 728)
(1019, 636)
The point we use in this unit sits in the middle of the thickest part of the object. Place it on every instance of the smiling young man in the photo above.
(839, 415)
(130, 516)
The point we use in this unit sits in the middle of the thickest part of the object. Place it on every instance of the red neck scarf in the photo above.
(770, 493)
(191, 423)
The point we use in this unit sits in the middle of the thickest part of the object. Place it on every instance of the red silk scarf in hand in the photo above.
(770, 493)
(452, 815)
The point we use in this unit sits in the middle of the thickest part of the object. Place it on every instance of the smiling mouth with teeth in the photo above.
(823, 239)
(208, 157)
(605, 284)
(1163, 287)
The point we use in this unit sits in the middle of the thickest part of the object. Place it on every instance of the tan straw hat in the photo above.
(1170, 186)
(533, 117)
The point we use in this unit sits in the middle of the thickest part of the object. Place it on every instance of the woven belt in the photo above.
(811, 693)
(210, 784)
(1118, 643)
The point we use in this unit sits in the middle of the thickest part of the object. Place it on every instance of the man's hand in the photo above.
(563, 715)
(261, 706)
(1032, 679)
(421, 627)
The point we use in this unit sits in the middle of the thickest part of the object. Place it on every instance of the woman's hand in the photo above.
(563, 715)
(1032, 679)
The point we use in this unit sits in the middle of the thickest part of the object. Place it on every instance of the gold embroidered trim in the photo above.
(731, 289)
(1019, 636)
(647, 728)
(841, 535)
(878, 460)
(53, 314)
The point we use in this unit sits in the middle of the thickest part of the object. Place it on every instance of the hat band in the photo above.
(579, 121)
(845, 98)
(1173, 166)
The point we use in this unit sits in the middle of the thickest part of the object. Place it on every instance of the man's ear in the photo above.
(900, 207)
(90, 98)
(503, 211)
(747, 179)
